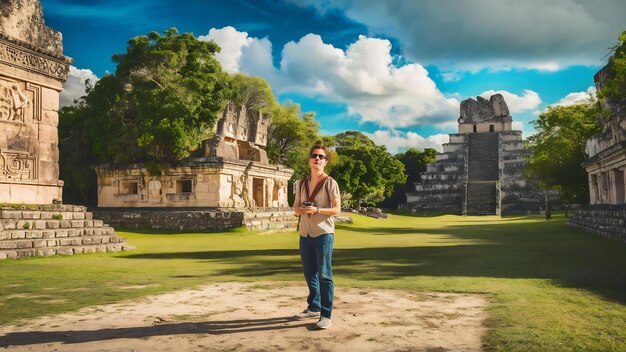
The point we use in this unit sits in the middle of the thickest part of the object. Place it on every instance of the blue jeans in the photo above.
(316, 254)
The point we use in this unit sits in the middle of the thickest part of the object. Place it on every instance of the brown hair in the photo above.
(322, 147)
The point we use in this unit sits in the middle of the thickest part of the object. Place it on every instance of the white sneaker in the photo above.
(324, 323)
(307, 314)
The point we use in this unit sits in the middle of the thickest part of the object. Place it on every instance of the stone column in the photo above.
(32, 71)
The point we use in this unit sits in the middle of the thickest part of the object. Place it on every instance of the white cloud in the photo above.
(517, 126)
(74, 87)
(362, 76)
(397, 141)
(529, 101)
(577, 97)
(474, 34)
(451, 76)
(231, 42)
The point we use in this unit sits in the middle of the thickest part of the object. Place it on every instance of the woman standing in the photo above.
(317, 200)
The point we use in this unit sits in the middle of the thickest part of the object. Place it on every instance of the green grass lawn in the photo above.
(550, 288)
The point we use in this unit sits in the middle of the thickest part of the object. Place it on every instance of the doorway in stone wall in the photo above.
(257, 193)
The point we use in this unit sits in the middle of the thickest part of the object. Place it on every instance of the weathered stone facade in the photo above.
(32, 71)
(481, 169)
(606, 169)
(230, 173)
(240, 135)
(213, 182)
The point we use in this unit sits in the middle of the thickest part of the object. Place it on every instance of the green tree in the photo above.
(366, 172)
(615, 87)
(414, 162)
(558, 149)
(165, 95)
(290, 135)
(254, 93)
(162, 101)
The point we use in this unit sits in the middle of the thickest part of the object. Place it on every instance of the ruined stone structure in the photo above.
(480, 171)
(32, 71)
(231, 173)
(606, 168)
(240, 135)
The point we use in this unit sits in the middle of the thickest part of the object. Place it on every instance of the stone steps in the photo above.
(483, 157)
(65, 250)
(54, 229)
(481, 198)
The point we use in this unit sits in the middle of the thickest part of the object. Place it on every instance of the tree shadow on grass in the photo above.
(498, 250)
(210, 327)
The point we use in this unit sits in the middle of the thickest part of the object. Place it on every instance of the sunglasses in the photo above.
(321, 156)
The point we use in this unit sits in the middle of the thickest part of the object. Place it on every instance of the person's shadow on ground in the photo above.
(161, 329)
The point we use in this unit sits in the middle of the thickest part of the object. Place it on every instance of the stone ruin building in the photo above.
(606, 169)
(481, 169)
(32, 71)
(226, 179)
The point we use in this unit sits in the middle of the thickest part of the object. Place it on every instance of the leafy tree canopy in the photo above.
(166, 94)
(163, 99)
(562, 132)
(615, 88)
(254, 93)
(558, 150)
(365, 171)
(414, 162)
(291, 134)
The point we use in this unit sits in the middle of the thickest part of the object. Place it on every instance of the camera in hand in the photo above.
(307, 204)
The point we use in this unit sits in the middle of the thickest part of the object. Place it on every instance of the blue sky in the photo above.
(396, 70)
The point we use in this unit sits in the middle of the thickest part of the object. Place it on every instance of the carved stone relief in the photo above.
(154, 191)
(19, 102)
(269, 192)
(13, 103)
(17, 166)
(13, 55)
(236, 197)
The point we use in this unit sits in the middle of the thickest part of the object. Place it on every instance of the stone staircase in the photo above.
(441, 186)
(54, 229)
(481, 198)
(483, 157)
(483, 174)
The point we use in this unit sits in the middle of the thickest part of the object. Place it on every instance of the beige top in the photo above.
(314, 225)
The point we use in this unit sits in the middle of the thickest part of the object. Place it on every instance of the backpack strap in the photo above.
(328, 192)
(318, 187)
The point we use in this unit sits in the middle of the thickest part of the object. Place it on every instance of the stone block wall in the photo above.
(283, 220)
(517, 196)
(608, 221)
(198, 219)
(54, 229)
(440, 189)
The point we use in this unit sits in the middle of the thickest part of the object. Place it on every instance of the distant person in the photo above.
(317, 200)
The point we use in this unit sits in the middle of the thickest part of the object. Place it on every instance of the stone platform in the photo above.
(608, 221)
(198, 219)
(51, 229)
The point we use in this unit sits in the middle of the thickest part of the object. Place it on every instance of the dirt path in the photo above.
(257, 317)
